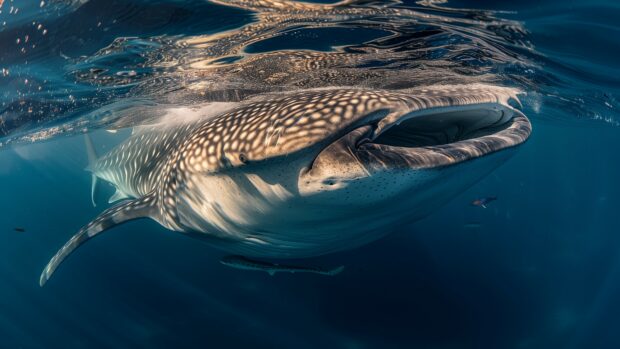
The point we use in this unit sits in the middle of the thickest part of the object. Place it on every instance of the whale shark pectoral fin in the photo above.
(92, 157)
(93, 189)
(133, 209)
(118, 195)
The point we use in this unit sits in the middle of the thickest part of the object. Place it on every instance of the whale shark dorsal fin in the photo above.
(92, 157)
(144, 207)
(118, 195)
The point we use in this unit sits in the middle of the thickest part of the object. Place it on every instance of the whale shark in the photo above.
(309, 172)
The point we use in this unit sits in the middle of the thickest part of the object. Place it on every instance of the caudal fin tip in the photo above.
(46, 274)
(43, 279)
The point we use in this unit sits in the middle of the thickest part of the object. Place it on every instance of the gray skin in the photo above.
(307, 173)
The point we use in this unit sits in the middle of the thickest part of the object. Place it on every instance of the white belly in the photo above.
(263, 214)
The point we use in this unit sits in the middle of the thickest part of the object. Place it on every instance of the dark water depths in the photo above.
(540, 268)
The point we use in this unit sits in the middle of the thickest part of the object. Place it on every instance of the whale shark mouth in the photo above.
(427, 138)
(441, 128)
(442, 136)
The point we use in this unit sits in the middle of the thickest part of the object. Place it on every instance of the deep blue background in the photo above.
(541, 271)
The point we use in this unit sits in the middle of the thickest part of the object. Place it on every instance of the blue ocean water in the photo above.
(539, 268)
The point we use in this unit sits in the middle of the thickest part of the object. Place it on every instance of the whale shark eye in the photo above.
(243, 158)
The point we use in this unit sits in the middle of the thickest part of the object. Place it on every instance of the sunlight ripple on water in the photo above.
(72, 66)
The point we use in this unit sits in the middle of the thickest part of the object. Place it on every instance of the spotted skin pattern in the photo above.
(266, 129)
(229, 167)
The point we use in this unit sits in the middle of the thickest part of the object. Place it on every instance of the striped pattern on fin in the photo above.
(116, 215)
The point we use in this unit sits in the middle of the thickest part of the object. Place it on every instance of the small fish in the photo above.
(483, 202)
(241, 262)
(19, 229)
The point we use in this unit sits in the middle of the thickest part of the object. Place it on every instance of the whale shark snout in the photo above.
(311, 172)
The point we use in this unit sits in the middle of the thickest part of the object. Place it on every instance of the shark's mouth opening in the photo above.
(444, 128)
(443, 136)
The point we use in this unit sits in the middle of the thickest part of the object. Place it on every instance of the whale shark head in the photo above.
(344, 162)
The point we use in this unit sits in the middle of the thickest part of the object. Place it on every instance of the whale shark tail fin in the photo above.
(125, 211)
(92, 157)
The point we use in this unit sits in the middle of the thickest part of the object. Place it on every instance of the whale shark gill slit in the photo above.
(116, 215)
